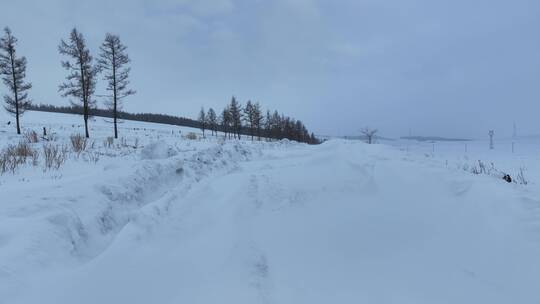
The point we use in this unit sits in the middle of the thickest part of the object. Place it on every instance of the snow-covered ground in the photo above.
(173, 220)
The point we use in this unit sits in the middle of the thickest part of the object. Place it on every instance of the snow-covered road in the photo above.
(342, 222)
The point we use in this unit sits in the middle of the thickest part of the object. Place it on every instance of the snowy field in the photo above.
(509, 155)
(160, 218)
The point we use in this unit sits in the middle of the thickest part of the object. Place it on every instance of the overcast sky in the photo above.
(448, 68)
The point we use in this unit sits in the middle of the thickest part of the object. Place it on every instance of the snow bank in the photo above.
(238, 222)
(158, 150)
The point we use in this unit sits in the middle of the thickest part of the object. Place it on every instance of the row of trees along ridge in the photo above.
(112, 63)
(250, 120)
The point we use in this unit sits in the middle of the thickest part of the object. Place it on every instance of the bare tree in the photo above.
(81, 80)
(202, 120)
(113, 60)
(13, 72)
(369, 134)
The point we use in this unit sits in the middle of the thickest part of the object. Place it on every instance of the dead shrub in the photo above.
(35, 158)
(108, 143)
(13, 156)
(24, 150)
(92, 157)
(78, 143)
(31, 137)
(54, 155)
(191, 136)
(5, 164)
(50, 137)
(520, 178)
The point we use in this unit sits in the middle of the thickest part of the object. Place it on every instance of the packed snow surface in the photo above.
(159, 218)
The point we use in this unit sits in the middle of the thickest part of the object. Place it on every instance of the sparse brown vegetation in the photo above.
(54, 155)
(91, 156)
(191, 136)
(13, 156)
(31, 137)
(78, 143)
(108, 143)
(24, 150)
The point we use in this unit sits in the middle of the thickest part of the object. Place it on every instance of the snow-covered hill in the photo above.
(173, 220)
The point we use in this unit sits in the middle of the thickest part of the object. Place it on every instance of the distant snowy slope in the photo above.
(99, 127)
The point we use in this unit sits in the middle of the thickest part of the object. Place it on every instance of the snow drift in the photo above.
(238, 222)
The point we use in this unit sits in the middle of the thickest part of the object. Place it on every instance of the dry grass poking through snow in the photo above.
(52, 152)
(13, 156)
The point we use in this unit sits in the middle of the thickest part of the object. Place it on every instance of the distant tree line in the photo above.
(236, 120)
(108, 113)
(277, 127)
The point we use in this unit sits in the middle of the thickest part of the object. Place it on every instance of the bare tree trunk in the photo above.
(114, 95)
(17, 118)
(87, 134)
(15, 91)
(85, 99)
(115, 123)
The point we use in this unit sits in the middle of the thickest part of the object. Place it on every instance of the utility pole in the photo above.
(491, 133)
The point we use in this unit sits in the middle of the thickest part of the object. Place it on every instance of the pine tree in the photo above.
(13, 72)
(249, 118)
(258, 119)
(287, 128)
(268, 125)
(226, 121)
(298, 131)
(81, 81)
(276, 126)
(235, 110)
(212, 120)
(202, 120)
(113, 60)
(313, 140)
